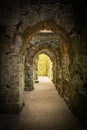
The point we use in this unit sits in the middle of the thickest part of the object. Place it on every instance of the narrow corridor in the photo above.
(44, 110)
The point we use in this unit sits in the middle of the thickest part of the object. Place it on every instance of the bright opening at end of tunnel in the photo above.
(45, 66)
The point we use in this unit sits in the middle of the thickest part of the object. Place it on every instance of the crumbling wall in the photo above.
(78, 77)
(11, 77)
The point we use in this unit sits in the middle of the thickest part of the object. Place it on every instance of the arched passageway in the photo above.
(27, 45)
(22, 31)
(46, 43)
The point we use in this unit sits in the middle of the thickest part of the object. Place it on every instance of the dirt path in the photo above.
(44, 110)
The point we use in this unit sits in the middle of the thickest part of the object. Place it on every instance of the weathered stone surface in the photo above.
(66, 47)
(9, 78)
(29, 78)
(46, 43)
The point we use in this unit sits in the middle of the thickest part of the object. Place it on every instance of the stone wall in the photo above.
(29, 77)
(11, 78)
(78, 84)
(35, 68)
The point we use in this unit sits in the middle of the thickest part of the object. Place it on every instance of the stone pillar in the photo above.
(29, 79)
(56, 72)
(65, 66)
(11, 78)
(35, 71)
(50, 71)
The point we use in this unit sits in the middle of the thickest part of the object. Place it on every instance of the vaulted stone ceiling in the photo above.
(43, 41)
(71, 15)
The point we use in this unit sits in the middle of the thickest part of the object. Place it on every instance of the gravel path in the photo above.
(44, 110)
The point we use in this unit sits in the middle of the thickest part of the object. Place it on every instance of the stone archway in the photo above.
(49, 25)
(18, 45)
(46, 63)
(32, 64)
(52, 64)
(48, 42)
(27, 37)
(19, 22)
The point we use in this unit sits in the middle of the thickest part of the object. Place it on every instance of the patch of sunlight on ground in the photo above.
(44, 79)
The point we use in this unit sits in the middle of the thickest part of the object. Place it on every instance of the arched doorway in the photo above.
(46, 43)
(45, 66)
(17, 61)
(62, 40)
